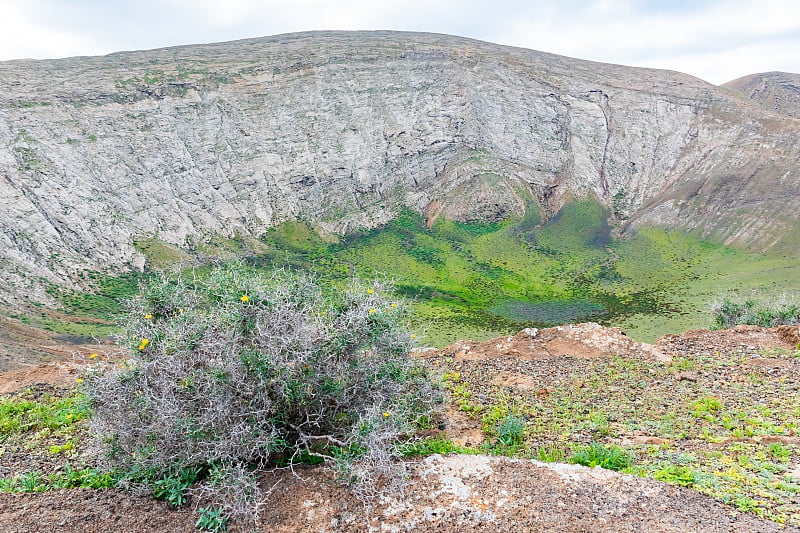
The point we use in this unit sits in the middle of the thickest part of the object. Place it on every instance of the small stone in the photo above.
(531, 331)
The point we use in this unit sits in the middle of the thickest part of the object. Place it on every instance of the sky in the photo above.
(715, 40)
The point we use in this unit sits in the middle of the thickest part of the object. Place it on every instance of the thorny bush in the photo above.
(243, 370)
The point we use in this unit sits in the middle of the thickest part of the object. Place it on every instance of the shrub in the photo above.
(510, 430)
(243, 369)
(729, 312)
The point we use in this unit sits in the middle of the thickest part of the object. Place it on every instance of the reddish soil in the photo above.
(447, 495)
(30, 355)
(458, 493)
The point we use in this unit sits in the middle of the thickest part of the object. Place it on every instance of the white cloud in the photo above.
(715, 42)
(22, 37)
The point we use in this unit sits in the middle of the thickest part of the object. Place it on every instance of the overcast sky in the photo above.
(716, 40)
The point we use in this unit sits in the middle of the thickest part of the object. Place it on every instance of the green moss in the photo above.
(160, 254)
(295, 236)
(103, 300)
(478, 280)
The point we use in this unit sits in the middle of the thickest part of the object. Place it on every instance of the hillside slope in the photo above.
(777, 91)
(181, 144)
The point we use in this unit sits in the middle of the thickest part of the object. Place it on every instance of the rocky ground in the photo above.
(572, 385)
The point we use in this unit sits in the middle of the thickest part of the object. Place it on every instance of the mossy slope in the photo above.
(482, 280)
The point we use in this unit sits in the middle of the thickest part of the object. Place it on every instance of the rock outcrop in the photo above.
(341, 129)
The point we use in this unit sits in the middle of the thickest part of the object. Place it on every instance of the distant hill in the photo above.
(777, 91)
(343, 129)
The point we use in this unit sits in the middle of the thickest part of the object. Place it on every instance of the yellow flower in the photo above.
(148, 316)
(180, 310)
(245, 298)
(372, 311)
(386, 414)
(69, 415)
(413, 336)
(370, 291)
(79, 380)
(143, 344)
(92, 356)
(394, 305)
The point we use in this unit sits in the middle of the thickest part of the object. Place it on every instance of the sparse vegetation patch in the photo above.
(730, 312)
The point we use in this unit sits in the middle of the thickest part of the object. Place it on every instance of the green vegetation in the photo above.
(35, 421)
(211, 519)
(103, 301)
(482, 280)
(432, 445)
(473, 280)
(241, 368)
(159, 254)
(67, 478)
(730, 312)
(510, 430)
(89, 314)
(604, 456)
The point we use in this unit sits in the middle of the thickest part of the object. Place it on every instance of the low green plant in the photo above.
(24, 414)
(777, 450)
(550, 454)
(462, 397)
(8, 484)
(69, 478)
(211, 519)
(747, 505)
(706, 407)
(681, 364)
(510, 430)
(32, 482)
(677, 475)
(245, 368)
(173, 487)
(605, 456)
(432, 445)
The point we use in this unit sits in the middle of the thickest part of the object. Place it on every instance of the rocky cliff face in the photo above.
(343, 128)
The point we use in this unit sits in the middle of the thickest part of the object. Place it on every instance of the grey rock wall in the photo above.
(343, 128)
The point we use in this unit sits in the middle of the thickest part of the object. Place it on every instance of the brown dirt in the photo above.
(447, 495)
(30, 355)
(458, 493)
(587, 340)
